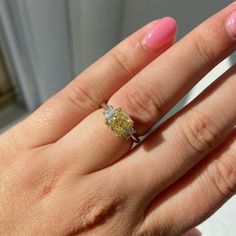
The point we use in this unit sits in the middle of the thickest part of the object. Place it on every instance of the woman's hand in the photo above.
(64, 172)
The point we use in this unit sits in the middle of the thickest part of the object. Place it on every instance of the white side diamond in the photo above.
(109, 113)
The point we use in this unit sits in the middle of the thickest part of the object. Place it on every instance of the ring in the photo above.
(119, 122)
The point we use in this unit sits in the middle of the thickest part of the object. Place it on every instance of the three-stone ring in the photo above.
(119, 122)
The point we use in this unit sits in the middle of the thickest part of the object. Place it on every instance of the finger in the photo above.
(193, 232)
(198, 194)
(92, 144)
(184, 140)
(157, 88)
(96, 84)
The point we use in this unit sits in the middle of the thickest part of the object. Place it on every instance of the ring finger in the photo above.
(179, 144)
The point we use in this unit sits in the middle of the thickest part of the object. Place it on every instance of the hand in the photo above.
(64, 172)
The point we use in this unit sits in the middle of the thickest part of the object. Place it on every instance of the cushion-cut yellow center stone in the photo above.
(119, 122)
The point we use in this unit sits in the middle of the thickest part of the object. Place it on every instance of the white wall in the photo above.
(96, 26)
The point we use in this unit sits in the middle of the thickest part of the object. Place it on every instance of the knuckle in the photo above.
(83, 95)
(34, 176)
(94, 210)
(200, 131)
(95, 207)
(202, 42)
(28, 178)
(224, 177)
(144, 105)
(122, 61)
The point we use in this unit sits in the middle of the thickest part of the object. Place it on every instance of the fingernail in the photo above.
(231, 25)
(193, 232)
(160, 34)
(197, 232)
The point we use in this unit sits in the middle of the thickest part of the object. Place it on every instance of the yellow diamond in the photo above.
(119, 122)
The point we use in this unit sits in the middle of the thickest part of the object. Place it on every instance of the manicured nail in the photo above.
(160, 34)
(231, 25)
(193, 232)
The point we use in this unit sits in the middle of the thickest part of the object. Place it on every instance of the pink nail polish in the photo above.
(161, 33)
(231, 25)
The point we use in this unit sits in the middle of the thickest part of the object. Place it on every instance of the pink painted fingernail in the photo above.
(160, 34)
(231, 25)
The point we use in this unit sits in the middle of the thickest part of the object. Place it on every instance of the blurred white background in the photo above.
(46, 43)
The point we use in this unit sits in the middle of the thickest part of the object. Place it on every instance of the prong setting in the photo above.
(119, 122)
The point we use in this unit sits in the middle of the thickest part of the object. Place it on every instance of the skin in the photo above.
(63, 172)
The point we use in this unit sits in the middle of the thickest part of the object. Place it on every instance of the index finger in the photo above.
(95, 85)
